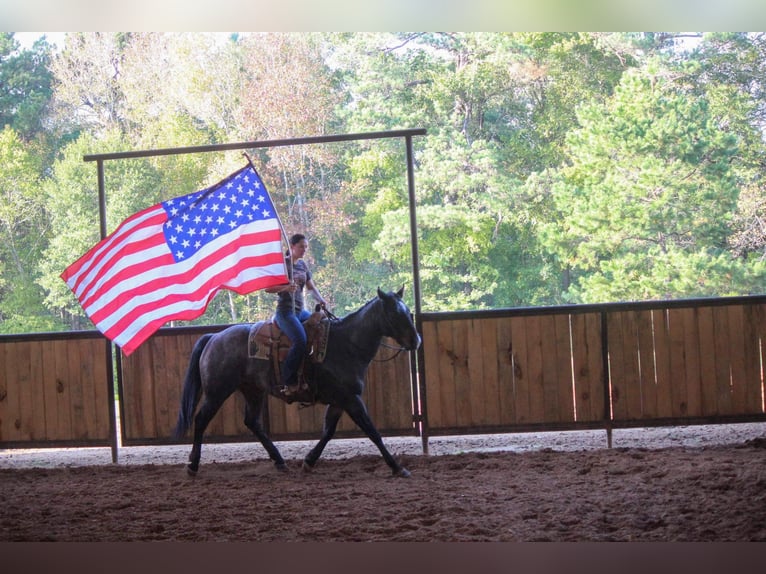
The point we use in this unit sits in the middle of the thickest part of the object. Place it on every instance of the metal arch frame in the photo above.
(417, 360)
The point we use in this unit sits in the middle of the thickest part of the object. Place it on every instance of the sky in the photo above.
(391, 15)
(26, 39)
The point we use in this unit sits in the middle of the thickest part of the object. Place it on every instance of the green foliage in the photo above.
(558, 167)
(23, 233)
(643, 209)
(25, 85)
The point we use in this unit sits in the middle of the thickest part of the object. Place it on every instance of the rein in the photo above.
(399, 349)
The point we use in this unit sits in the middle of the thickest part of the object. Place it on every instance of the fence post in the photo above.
(607, 394)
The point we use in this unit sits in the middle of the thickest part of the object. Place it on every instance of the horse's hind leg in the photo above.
(253, 410)
(205, 414)
(331, 418)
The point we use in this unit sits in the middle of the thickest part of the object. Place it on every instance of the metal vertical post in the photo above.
(417, 367)
(108, 353)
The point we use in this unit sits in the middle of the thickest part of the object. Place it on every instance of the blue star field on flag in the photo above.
(196, 219)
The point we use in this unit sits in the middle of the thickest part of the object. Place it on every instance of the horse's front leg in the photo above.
(358, 413)
(331, 418)
(253, 411)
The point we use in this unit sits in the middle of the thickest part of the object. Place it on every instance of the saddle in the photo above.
(266, 341)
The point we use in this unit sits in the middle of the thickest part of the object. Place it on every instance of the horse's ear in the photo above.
(400, 293)
(380, 293)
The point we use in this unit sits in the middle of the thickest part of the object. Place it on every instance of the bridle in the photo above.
(398, 349)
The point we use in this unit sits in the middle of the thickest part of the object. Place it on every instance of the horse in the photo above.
(219, 365)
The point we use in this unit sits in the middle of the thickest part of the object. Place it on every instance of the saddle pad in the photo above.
(321, 336)
(262, 337)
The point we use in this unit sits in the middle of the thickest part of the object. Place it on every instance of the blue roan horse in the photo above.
(220, 365)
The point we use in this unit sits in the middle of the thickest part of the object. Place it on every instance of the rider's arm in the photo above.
(281, 288)
(312, 288)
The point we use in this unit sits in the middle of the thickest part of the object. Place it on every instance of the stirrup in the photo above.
(292, 390)
(289, 390)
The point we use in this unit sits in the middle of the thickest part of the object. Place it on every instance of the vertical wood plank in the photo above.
(87, 380)
(595, 335)
(753, 316)
(12, 401)
(381, 384)
(708, 385)
(460, 339)
(76, 393)
(6, 395)
(178, 361)
(617, 366)
(581, 382)
(23, 359)
(564, 384)
(535, 370)
(37, 416)
(489, 354)
(277, 423)
(722, 361)
(648, 373)
(693, 381)
(63, 389)
(677, 362)
(520, 370)
(737, 346)
(631, 369)
(760, 328)
(162, 384)
(662, 358)
(132, 399)
(391, 405)
(433, 383)
(477, 384)
(549, 369)
(446, 373)
(104, 404)
(48, 363)
(147, 421)
(505, 372)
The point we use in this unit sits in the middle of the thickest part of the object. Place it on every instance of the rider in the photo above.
(291, 311)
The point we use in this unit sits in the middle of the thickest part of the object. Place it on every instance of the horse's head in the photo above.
(398, 320)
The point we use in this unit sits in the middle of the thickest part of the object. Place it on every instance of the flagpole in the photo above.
(281, 227)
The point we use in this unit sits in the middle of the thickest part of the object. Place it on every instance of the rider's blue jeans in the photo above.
(290, 323)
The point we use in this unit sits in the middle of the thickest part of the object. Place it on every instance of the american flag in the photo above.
(166, 262)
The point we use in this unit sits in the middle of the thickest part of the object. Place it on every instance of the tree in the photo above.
(644, 209)
(23, 232)
(25, 85)
(730, 72)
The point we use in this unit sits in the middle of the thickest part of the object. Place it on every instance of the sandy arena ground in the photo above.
(671, 484)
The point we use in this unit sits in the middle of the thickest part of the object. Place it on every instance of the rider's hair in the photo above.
(294, 240)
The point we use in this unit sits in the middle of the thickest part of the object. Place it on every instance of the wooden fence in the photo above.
(55, 390)
(590, 366)
(595, 366)
(151, 386)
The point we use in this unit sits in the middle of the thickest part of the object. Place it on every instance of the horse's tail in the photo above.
(192, 388)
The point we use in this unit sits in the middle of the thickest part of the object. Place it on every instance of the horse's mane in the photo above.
(351, 317)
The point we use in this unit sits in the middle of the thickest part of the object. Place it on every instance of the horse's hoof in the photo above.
(307, 467)
(191, 471)
(403, 473)
(280, 466)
